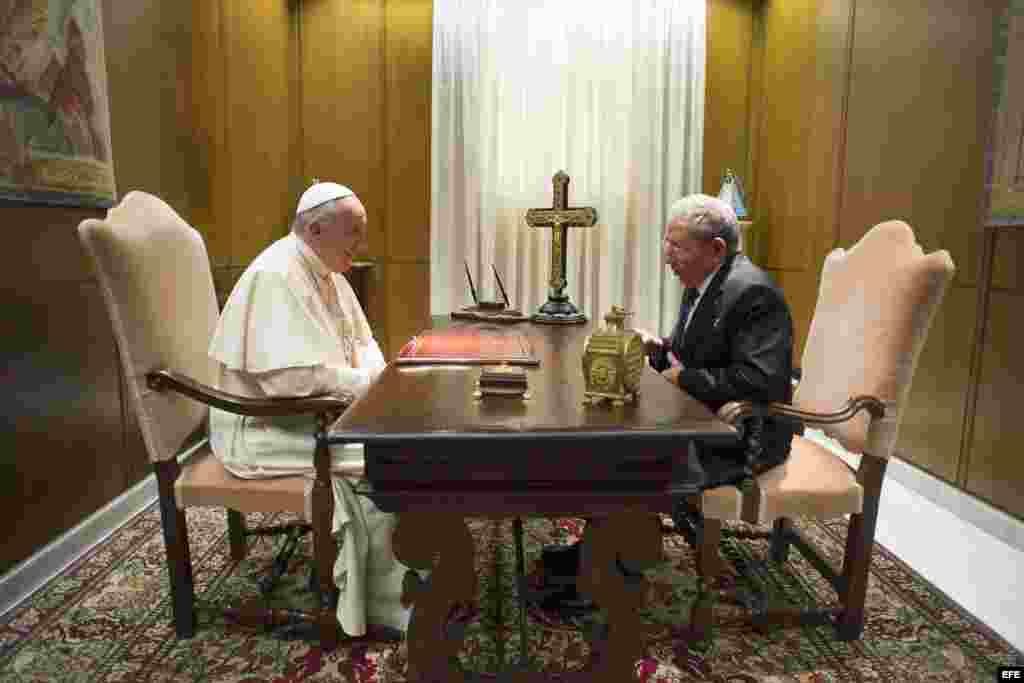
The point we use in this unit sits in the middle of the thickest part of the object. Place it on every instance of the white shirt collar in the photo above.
(707, 280)
(700, 294)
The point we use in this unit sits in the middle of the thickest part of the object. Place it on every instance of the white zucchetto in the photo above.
(318, 193)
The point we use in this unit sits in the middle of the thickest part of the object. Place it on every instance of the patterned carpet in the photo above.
(108, 619)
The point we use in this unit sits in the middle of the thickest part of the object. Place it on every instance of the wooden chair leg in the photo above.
(179, 560)
(324, 548)
(779, 549)
(860, 544)
(856, 564)
(236, 534)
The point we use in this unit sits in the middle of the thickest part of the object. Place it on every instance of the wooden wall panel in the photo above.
(211, 177)
(921, 76)
(408, 65)
(243, 125)
(151, 150)
(39, 235)
(799, 134)
(783, 219)
(755, 118)
(933, 420)
(296, 141)
(1008, 260)
(224, 279)
(366, 102)
(855, 99)
(66, 451)
(407, 107)
(258, 125)
(800, 288)
(996, 470)
(408, 310)
(363, 278)
(342, 96)
(61, 455)
(727, 113)
(828, 133)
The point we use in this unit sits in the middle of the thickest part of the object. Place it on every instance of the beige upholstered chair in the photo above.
(155, 277)
(875, 306)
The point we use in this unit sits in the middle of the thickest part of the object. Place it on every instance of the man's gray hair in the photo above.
(706, 218)
(304, 220)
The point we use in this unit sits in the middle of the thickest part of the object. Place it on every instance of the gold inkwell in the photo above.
(613, 361)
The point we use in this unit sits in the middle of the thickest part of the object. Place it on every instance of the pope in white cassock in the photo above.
(293, 326)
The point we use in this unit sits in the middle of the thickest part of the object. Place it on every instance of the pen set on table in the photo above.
(487, 305)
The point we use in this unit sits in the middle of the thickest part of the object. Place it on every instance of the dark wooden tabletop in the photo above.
(430, 445)
(437, 403)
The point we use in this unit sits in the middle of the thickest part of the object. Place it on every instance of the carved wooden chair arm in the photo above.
(162, 380)
(735, 412)
(748, 418)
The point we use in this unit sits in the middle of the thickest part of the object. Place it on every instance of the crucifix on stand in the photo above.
(560, 217)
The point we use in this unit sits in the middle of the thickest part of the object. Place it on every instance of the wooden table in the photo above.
(436, 453)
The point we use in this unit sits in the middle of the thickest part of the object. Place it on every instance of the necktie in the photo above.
(685, 309)
(689, 299)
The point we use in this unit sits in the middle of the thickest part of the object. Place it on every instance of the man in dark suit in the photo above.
(733, 341)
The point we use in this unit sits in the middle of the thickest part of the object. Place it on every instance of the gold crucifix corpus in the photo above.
(560, 217)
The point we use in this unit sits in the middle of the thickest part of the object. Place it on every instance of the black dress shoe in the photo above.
(561, 560)
(560, 568)
(568, 601)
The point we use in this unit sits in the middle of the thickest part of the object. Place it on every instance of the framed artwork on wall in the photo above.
(55, 143)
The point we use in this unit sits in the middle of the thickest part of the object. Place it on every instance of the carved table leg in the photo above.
(418, 538)
(709, 567)
(635, 538)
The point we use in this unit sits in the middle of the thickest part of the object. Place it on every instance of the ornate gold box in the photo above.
(613, 360)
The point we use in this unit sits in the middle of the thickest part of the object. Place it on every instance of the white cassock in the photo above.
(293, 328)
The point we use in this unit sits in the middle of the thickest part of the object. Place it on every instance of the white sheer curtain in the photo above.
(612, 93)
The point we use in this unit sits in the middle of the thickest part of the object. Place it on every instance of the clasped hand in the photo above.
(651, 342)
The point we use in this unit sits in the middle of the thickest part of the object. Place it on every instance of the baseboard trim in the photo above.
(963, 505)
(32, 574)
(967, 507)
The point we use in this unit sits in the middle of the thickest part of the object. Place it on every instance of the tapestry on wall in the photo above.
(1006, 157)
(54, 113)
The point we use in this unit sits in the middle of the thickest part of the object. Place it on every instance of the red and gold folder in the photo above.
(480, 344)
